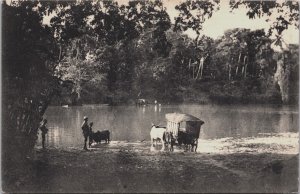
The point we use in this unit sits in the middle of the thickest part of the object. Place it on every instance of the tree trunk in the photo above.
(21, 119)
(282, 77)
(200, 69)
(245, 66)
(229, 72)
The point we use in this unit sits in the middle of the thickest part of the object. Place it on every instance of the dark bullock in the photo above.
(170, 140)
(99, 136)
(189, 140)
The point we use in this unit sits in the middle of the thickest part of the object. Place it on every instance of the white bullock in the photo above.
(157, 133)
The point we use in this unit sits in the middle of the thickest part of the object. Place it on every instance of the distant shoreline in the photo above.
(184, 103)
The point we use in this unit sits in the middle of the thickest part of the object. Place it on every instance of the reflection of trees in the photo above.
(127, 123)
(230, 123)
(287, 122)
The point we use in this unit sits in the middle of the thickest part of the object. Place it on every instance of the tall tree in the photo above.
(192, 15)
(29, 56)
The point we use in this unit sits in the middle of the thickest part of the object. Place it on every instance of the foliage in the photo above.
(192, 14)
(285, 12)
(29, 55)
(247, 53)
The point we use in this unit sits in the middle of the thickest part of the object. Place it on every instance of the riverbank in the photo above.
(245, 165)
(238, 92)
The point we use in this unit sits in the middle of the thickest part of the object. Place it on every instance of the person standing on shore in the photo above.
(44, 130)
(85, 130)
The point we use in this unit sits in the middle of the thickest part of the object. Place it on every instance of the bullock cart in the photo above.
(183, 129)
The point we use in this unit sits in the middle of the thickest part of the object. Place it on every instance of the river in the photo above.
(131, 123)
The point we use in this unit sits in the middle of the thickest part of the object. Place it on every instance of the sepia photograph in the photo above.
(149, 96)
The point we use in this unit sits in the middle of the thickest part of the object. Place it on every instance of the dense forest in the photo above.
(116, 54)
(105, 52)
(239, 67)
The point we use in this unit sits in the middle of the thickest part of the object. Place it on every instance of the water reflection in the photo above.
(144, 109)
(130, 123)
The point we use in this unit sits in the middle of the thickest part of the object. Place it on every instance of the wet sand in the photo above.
(245, 165)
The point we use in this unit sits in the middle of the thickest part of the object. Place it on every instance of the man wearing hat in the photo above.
(85, 130)
(44, 130)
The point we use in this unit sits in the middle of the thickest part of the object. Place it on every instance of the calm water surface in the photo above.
(131, 123)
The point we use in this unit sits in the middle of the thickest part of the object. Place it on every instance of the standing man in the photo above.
(85, 130)
(44, 130)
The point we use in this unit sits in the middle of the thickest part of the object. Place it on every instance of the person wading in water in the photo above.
(44, 130)
(85, 130)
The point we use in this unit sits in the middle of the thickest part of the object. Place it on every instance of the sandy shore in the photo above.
(225, 165)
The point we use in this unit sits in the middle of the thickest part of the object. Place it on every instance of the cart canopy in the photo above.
(180, 117)
(176, 120)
